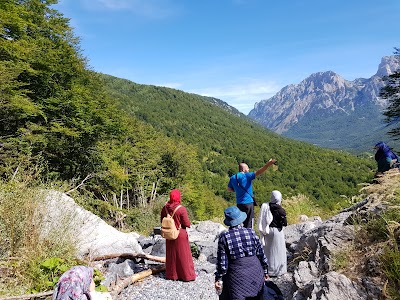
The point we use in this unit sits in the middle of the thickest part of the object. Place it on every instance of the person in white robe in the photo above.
(271, 221)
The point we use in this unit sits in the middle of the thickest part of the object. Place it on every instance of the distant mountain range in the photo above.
(329, 111)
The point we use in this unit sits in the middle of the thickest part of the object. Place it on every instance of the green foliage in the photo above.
(383, 233)
(123, 146)
(340, 260)
(390, 257)
(223, 139)
(391, 92)
(22, 223)
(53, 108)
(301, 205)
(98, 277)
(128, 144)
(48, 273)
(391, 265)
(195, 250)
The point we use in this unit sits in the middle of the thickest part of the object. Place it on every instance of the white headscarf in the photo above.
(266, 217)
(276, 197)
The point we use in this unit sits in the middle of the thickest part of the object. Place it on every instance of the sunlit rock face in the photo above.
(323, 96)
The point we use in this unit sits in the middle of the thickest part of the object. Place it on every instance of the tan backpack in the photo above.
(168, 228)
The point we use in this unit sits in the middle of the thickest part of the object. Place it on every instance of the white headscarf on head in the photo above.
(276, 197)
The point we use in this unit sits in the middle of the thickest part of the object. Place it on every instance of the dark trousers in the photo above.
(249, 210)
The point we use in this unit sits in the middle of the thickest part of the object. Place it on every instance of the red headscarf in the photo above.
(175, 196)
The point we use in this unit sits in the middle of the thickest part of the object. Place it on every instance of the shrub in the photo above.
(23, 245)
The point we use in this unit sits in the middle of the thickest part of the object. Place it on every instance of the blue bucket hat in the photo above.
(234, 216)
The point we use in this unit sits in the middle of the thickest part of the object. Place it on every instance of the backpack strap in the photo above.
(239, 185)
(173, 213)
(172, 216)
(175, 210)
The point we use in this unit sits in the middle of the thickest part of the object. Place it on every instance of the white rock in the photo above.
(93, 236)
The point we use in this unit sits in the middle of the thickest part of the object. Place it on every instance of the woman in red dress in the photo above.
(179, 262)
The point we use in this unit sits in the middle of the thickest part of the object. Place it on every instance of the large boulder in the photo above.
(93, 237)
(332, 286)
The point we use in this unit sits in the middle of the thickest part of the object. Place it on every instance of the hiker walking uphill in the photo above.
(241, 184)
(178, 259)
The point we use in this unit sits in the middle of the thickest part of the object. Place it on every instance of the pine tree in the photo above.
(391, 92)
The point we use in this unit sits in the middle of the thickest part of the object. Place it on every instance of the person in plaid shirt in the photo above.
(241, 262)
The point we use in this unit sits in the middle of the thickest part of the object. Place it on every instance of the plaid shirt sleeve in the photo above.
(222, 258)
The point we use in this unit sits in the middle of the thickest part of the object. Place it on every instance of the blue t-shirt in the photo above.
(245, 179)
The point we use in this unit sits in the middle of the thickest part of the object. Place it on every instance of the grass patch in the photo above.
(340, 260)
(25, 242)
(382, 231)
(391, 266)
(299, 205)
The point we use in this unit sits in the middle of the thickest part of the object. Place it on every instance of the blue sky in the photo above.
(240, 51)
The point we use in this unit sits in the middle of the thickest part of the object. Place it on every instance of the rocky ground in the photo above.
(157, 287)
(312, 245)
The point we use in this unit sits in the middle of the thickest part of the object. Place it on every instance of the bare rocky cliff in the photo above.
(322, 98)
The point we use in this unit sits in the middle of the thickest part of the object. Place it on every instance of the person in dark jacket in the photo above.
(385, 157)
(241, 263)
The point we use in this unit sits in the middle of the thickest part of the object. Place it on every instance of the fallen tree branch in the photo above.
(117, 289)
(131, 256)
(29, 296)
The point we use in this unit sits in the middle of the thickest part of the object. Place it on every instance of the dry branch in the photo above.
(117, 289)
(29, 296)
(131, 256)
(82, 183)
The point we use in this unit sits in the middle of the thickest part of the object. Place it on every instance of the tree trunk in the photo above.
(127, 198)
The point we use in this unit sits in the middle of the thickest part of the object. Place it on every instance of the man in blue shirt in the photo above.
(241, 184)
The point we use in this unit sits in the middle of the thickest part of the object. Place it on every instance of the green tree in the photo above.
(52, 106)
(391, 92)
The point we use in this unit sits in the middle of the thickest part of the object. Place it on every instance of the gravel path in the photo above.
(157, 287)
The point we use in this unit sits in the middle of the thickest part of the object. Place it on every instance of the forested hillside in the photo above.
(223, 139)
(123, 146)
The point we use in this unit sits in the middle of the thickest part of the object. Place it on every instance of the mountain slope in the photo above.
(327, 110)
(223, 138)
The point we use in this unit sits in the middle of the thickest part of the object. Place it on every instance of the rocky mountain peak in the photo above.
(325, 102)
(388, 65)
(326, 81)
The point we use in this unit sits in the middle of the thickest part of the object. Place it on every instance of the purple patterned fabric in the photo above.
(74, 284)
